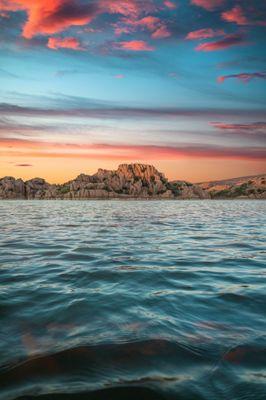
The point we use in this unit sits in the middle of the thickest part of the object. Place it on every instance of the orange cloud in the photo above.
(135, 45)
(46, 17)
(228, 41)
(245, 77)
(209, 5)
(204, 34)
(56, 43)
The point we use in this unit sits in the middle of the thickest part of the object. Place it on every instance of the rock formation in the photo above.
(130, 181)
(11, 188)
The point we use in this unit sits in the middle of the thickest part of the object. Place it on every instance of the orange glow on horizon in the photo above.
(59, 170)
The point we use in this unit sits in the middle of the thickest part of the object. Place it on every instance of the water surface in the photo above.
(132, 300)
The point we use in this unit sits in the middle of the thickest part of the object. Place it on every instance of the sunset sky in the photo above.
(179, 84)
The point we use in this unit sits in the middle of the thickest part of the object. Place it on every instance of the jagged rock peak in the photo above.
(140, 170)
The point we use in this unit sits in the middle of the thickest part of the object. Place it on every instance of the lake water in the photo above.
(132, 300)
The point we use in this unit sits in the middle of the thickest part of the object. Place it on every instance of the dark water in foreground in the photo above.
(132, 300)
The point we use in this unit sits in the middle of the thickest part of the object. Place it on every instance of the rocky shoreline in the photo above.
(131, 181)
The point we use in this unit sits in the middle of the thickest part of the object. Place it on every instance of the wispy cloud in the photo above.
(9, 74)
(105, 110)
(251, 131)
(254, 126)
(134, 45)
(205, 33)
(127, 7)
(71, 43)
(150, 23)
(227, 41)
(17, 147)
(245, 77)
(209, 5)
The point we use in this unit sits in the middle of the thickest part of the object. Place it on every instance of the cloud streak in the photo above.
(244, 77)
(255, 126)
(254, 130)
(98, 110)
(226, 42)
(15, 147)
(206, 33)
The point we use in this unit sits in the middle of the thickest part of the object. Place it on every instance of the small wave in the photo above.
(233, 297)
(247, 355)
(103, 363)
(114, 393)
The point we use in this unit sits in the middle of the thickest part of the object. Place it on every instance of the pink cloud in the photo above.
(161, 32)
(135, 45)
(119, 76)
(126, 151)
(150, 23)
(209, 5)
(245, 77)
(126, 7)
(46, 17)
(237, 15)
(170, 4)
(255, 126)
(228, 41)
(56, 43)
(204, 34)
(120, 29)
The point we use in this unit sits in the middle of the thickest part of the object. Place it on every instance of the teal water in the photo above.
(132, 300)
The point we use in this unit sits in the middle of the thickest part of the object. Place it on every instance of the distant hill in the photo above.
(131, 181)
(242, 187)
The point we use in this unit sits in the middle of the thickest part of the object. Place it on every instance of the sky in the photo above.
(180, 84)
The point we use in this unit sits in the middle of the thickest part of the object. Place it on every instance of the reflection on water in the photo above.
(132, 300)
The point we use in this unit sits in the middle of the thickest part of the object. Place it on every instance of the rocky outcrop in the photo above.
(129, 181)
(250, 187)
(38, 188)
(11, 188)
